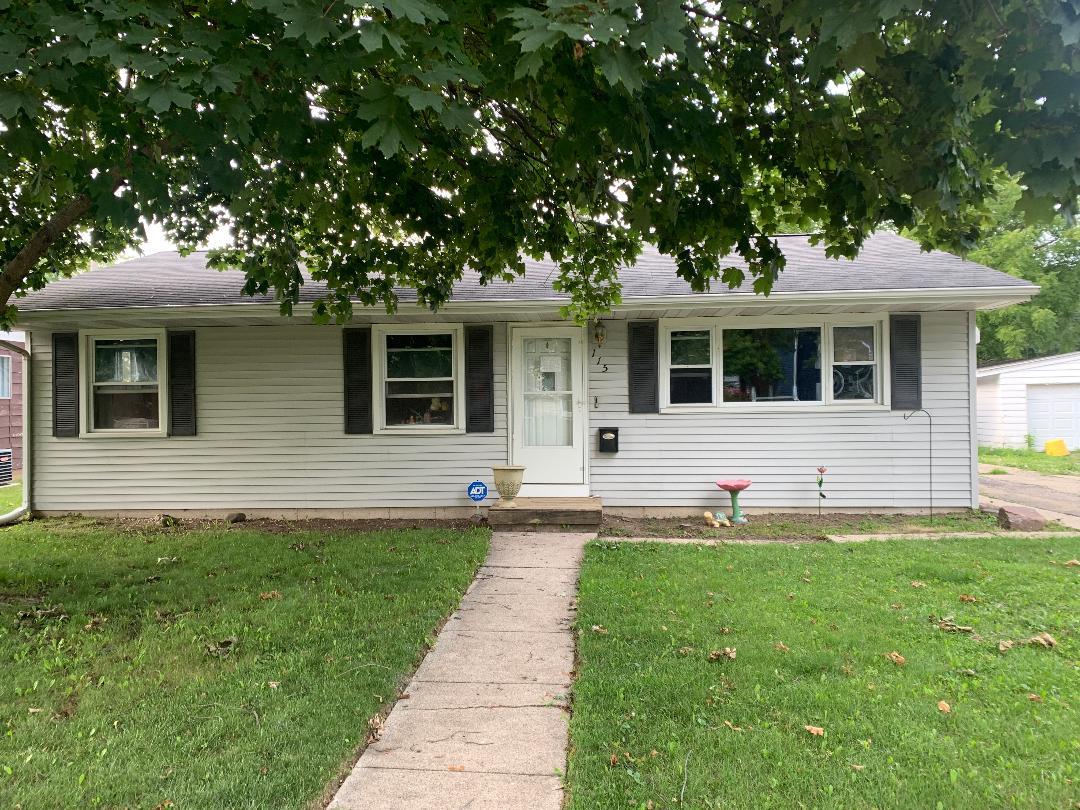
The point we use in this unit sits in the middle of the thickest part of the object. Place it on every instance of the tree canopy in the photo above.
(1048, 255)
(392, 143)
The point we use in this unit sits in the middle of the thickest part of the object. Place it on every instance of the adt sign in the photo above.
(477, 491)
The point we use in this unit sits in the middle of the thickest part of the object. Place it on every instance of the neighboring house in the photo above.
(11, 403)
(158, 386)
(1038, 398)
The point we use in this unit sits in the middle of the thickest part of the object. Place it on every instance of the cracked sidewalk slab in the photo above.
(484, 723)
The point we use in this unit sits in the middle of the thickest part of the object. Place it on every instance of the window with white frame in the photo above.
(854, 366)
(733, 362)
(420, 377)
(124, 374)
(772, 365)
(690, 372)
(5, 376)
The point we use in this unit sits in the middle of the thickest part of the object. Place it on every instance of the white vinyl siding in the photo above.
(1003, 398)
(875, 458)
(271, 439)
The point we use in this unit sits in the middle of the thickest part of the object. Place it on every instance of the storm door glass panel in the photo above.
(125, 395)
(548, 392)
(419, 379)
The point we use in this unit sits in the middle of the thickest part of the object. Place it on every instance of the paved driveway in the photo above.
(1056, 496)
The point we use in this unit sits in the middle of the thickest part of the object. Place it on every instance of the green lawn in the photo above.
(10, 497)
(1031, 460)
(110, 697)
(657, 724)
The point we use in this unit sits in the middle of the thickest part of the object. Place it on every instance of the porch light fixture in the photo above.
(599, 333)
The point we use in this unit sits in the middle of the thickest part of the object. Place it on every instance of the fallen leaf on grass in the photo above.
(719, 655)
(1071, 563)
(897, 606)
(816, 731)
(781, 646)
(165, 805)
(685, 650)
(273, 684)
(725, 630)
(35, 710)
(95, 623)
(917, 584)
(1043, 640)
(732, 726)
(267, 595)
(1035, 698)
(1003, 646)
(950, 626)
(855, 767)
(614, 760)
(375, 727)
(967, 597)
(896, 658)
(599, 629)
(943, 707)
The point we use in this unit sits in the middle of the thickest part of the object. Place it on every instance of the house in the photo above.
(1038, 398)
(11, 400)
(158, 386)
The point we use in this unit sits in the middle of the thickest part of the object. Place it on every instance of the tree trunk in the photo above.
(16, 270)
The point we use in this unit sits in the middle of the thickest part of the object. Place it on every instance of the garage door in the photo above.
(1054, 413)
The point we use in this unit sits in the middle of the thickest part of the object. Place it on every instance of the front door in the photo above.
(547, 383)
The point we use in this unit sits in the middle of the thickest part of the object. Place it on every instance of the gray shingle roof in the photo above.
(886, 262)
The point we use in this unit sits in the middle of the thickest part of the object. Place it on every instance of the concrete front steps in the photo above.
(547, 515)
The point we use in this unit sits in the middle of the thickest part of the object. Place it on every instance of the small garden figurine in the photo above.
(821, 487)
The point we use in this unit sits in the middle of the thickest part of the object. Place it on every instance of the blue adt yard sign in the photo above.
(477, 491)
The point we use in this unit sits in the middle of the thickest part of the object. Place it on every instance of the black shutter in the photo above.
(357, 347)
(905, 358)
(641, 370)
(181, 348)
(65, 379)
(479, 379)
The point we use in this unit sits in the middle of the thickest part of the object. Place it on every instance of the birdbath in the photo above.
(735, 486)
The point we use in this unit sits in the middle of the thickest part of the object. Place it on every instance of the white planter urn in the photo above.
(508, 482)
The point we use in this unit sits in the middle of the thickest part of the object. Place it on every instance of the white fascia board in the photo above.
(957, 298)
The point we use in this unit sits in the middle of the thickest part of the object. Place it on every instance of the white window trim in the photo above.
(378, 367)
(86, 384)
(879, 320)
(7, 370)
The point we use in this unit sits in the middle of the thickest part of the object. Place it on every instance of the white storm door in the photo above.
(548, 408)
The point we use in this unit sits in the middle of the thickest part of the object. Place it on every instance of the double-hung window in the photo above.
(5, 376)
(855, 366)
(124, 383)
(744, 361)
(420, 377)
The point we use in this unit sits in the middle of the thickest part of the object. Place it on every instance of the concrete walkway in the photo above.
(483, 724)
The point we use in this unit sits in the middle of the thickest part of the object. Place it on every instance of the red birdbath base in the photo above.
(735, 486)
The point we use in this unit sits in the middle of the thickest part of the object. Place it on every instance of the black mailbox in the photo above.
(609, 440)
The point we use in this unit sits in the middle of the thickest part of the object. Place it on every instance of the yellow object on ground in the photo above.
(1056, 447)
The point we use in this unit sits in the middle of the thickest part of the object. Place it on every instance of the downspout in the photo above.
(17, 514)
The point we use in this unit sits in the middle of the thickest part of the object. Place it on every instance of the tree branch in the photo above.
(19, 267)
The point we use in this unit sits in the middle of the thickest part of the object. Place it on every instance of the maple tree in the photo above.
(390, 144)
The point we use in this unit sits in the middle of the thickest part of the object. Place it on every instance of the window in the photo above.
(691, 376)
(5, 376)
(125, 388)
(420, 377)
(772, 365)
(854, 368)
(751, 361)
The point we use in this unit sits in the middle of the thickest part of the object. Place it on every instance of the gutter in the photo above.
(17, 514)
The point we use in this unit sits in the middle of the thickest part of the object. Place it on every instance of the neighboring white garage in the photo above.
(1038, 398)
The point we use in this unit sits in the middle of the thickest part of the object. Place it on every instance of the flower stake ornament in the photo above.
(821, 487)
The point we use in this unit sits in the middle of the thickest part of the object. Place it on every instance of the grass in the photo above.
(10, 497)
(657, 724)
(1031, 460)
(110, 697)
(799, 526)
